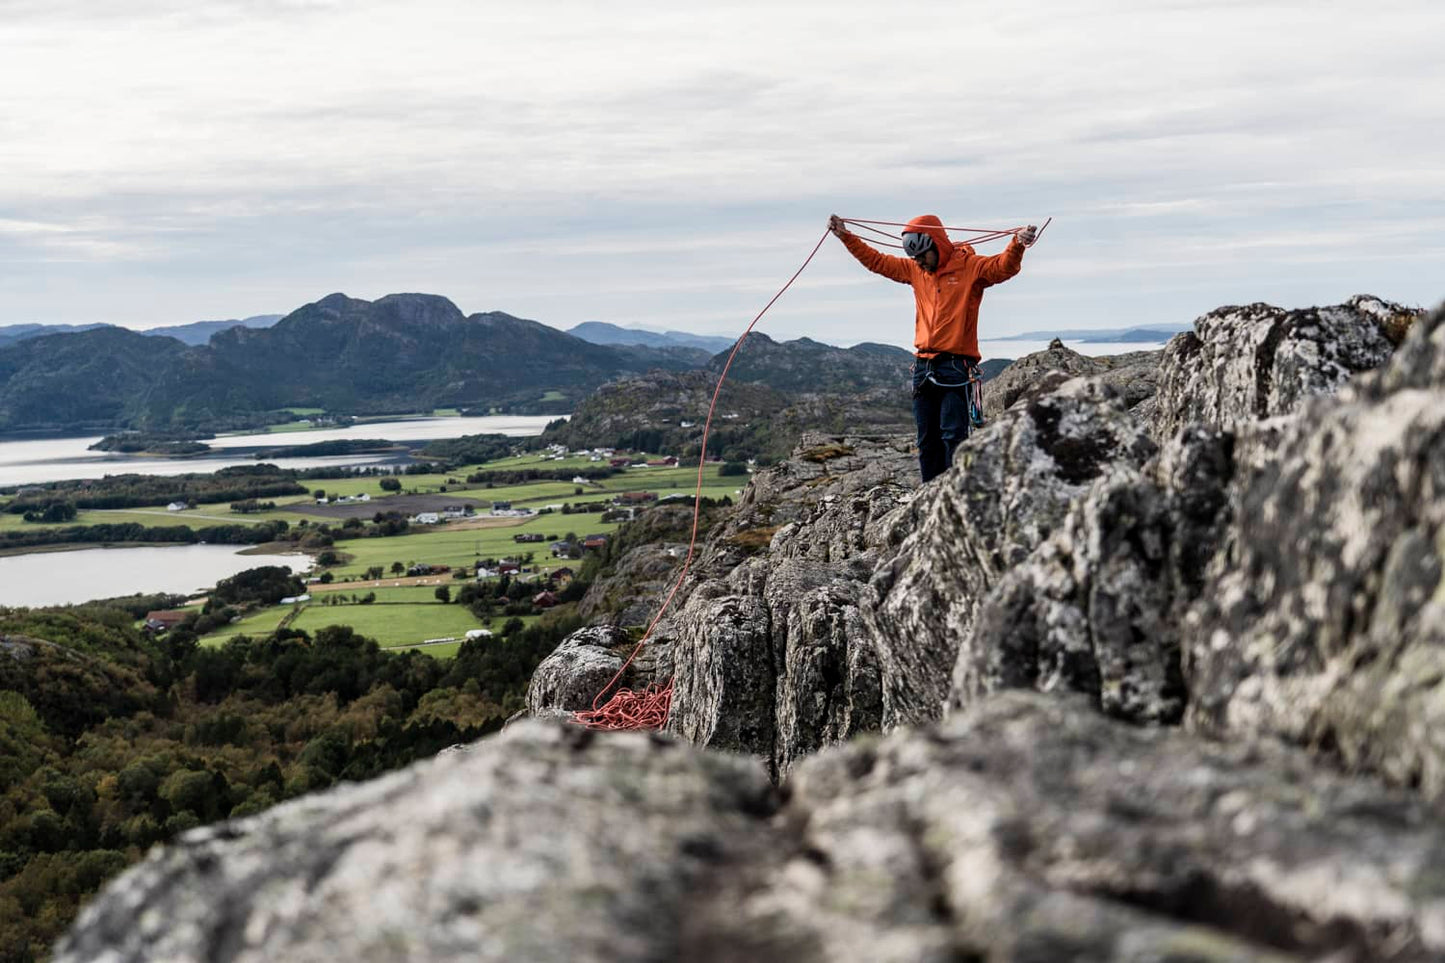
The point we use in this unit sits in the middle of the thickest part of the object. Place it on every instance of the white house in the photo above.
(176, 507)
(295, 599)
(427, 518)
(478, 634)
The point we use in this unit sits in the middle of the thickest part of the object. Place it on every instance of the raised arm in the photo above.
(894, 268)
(998, 268)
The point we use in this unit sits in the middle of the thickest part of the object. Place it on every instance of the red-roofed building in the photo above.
(163, 620)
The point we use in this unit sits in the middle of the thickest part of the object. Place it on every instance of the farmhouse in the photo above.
(544, 600)
(163, 620)
(176, 507)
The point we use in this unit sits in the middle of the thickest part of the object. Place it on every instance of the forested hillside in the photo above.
(111, 741)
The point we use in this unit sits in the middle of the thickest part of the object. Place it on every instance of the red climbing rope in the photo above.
(649, 708)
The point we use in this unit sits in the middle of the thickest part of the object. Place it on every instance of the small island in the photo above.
(168, 444)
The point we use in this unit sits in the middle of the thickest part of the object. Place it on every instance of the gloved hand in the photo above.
(835, 224)
(1028, 235)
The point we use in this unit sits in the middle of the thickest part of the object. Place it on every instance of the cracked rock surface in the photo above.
(1029, 828)
(1324, 617)
(1246, 363)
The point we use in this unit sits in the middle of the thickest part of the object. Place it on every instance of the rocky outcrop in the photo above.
(1028, 829)
(765, 643)
(774, 658)
(1062, 553)
(1323, 620)
(1242, 364)
(1011, 487)
(1133, 375)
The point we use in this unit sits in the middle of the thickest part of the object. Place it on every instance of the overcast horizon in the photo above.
(669, 167)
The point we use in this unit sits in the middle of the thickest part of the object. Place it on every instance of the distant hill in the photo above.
(666, 411)
(403, 352)
(1157, 333)
(12, 333)
(600, 332)
(808, 365)
(199, 332)
(91, 380)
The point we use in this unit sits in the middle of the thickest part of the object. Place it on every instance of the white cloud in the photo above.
(665, 163)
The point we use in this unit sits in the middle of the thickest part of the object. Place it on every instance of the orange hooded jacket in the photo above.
(948, 299)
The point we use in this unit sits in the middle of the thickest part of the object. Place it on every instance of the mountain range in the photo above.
(601, 332)
(401, 353)
(1151, 333)
(195, 333)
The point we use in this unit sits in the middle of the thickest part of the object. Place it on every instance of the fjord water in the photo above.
(62, 578)
(35, 461)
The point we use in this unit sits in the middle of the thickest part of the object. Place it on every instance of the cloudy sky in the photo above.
(669, 165)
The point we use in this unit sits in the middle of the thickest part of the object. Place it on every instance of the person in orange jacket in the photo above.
(948, 281)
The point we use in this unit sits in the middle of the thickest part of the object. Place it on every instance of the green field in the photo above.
(397, 624)
(444, 545)
(261, 623)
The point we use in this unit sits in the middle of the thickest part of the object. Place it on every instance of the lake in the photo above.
(62, 578)
(36, 461)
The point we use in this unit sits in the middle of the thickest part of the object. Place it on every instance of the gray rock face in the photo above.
(1010, 488)
(1096, 608)
(1028, 829)
(578, 669)
(771, 652)
(1324, 617)
(1246, 363)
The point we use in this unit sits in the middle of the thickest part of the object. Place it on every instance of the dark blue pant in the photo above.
(940, 409)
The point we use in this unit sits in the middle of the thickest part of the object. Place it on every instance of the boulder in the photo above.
(571, 677)
(1027, 829)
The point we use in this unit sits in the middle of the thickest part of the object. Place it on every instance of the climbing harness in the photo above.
(649, 708)
(953, 372)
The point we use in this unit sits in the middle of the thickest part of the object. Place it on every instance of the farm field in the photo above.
(419, 594)
(447, 545)
(260, 623)
(400, 624)
(392, 625)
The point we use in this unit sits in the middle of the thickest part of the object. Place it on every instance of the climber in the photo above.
(948, 282)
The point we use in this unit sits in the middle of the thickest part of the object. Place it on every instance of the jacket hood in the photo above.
(930, 224)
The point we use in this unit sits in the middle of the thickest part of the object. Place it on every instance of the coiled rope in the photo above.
(649, 708)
